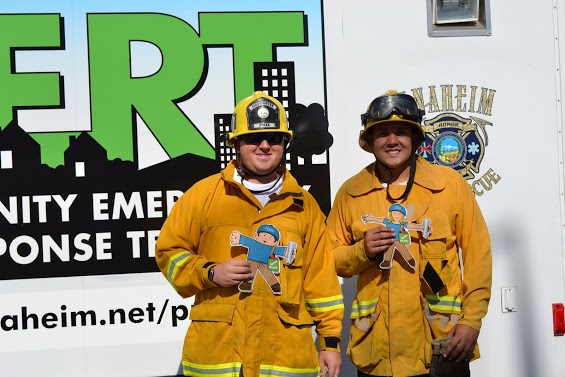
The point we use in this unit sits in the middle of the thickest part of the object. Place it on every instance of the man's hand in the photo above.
(377, 240)
(462, 344)
(232, 272)
(330, 360)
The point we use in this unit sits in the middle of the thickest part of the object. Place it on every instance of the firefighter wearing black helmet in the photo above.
(245, 323)
(403, 305)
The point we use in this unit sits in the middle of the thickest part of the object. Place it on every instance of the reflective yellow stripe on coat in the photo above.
(444, 304)
(273, 370)
(218, 370)
(324, 304)
(175, 263)
(363, 308)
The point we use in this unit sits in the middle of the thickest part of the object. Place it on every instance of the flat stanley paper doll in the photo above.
(397, 221)
(263, 255)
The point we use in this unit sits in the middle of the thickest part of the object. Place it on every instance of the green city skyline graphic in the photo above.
(115, 97)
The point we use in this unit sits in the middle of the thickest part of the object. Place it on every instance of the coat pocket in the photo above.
(291, 280)
(210, 335)
(436, 268)
(293, 315)
(364, 347)
(212, 313)
(435, 245)
(296, 346)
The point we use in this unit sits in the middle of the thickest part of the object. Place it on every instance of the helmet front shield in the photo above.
(258, 113)
(263, 114)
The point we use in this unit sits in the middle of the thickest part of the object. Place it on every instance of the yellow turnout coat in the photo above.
(395, 313)
(258, 333)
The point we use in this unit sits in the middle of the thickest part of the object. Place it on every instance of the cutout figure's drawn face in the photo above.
(392, 143)
(397, 216)
(266, 238)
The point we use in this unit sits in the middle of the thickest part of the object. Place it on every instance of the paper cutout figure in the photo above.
(264, 255)
(397, 221)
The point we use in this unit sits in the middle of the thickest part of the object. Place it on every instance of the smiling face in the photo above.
(392, 143)
(260, 158)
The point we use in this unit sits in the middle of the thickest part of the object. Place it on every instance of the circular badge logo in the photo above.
(449, 149)
(263, 112)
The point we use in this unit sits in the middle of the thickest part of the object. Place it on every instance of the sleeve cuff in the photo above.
(329, 343)
(205, 272)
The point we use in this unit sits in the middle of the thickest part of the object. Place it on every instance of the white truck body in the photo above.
(507, 84)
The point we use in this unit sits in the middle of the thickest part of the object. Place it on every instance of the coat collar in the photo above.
(290, 184)
(291, 191)
(366, 180)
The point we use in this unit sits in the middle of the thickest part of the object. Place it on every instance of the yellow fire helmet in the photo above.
(391, 106)
(258, 113)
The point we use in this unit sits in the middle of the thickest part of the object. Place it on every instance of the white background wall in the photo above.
(372, 46)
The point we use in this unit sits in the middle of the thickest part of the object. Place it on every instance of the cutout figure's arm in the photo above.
(425, 227)
(234, 238)
(288, 252)
(238, 239)
(414, 226)
(370, 219)
(280, 251)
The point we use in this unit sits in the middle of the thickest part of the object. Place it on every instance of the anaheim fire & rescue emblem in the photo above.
(454, 141)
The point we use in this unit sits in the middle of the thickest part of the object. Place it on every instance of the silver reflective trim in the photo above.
(232, 371)
(315, 306)
(266, 371)
(175, 263)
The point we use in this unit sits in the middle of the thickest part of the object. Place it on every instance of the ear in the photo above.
(369, 136)
(415, 137)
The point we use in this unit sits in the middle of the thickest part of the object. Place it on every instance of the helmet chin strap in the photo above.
(410, 182)
(246, 173)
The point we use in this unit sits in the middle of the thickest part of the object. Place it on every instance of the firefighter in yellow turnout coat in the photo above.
(265, 331)
(398, 311)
